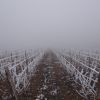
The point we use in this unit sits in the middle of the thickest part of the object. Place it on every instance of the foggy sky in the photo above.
(49, 23)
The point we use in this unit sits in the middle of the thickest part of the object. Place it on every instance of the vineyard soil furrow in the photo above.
(50, 82)
(49, 75)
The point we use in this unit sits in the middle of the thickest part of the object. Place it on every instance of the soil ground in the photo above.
(50, 82)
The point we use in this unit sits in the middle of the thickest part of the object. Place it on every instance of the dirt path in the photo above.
(50, 82)
(6, 90)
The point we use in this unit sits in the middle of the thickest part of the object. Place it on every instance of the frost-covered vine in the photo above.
(23, 71)
(83, 74)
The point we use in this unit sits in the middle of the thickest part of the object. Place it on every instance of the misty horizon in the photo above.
(49, 24)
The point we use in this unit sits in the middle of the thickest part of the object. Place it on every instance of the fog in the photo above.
(49, 23)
